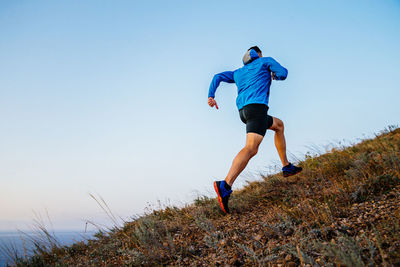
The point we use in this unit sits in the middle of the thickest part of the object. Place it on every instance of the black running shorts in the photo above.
(256, 118)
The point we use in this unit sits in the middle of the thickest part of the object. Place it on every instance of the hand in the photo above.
(212, 102)
(273, 76)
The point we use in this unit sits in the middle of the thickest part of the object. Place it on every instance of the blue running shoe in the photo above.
(221, 188)
(290, 170)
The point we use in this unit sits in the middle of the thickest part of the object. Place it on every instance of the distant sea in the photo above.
(13, 239)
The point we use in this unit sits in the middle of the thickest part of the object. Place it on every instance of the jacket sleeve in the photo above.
(273, 66)
(226, 76)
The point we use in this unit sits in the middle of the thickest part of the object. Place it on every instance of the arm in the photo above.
(226, 76)
(278, 72)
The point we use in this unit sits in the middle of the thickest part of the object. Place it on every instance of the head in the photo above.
(252, 53)
(257, 49)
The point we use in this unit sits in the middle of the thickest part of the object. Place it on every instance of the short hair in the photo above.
(256, 48)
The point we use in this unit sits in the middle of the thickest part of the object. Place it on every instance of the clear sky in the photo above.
(110, 97)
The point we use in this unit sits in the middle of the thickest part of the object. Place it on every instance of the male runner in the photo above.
(253, 81)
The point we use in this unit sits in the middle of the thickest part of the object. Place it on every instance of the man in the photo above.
(253, 81)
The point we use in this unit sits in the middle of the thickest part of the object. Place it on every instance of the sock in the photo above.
(227, 186)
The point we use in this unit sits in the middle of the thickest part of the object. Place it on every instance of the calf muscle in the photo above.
(253, 141)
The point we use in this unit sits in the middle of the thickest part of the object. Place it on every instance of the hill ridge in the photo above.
(343, 209)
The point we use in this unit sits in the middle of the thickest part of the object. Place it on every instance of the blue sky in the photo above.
(110, 97)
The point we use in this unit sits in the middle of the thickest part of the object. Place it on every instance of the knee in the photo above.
(252, 151)
(280, 126)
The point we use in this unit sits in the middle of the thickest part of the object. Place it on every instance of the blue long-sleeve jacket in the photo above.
(253, 80)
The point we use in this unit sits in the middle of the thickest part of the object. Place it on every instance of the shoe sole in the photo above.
(219, 198)
(287, 175)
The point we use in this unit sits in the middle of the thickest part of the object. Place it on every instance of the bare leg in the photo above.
(280, 142)
(253, 140)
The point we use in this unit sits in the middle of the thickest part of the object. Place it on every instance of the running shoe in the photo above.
(290, 170)
(221, 188)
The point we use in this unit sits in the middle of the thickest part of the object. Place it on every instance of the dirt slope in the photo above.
(343, 209)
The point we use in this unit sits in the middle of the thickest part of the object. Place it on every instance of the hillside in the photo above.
(343, 209)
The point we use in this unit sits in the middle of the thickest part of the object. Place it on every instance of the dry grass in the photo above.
(343, 209)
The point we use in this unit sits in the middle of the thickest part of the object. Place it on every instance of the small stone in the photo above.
(257, 237)
(288, 257)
